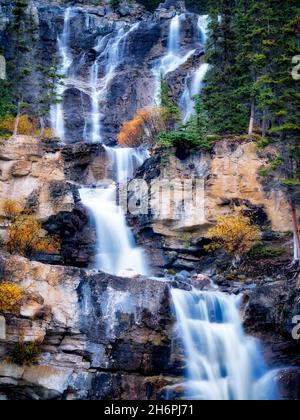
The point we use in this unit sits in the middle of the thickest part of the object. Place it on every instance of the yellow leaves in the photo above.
(11, 209)
(25, 234)
(11, 296)
(235, 234)
(26, 125)
(146, 124)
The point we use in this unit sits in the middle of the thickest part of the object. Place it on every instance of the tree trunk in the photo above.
(252, 118)
(42, 126)
(264, 124)
(17, 121)
(296, 233)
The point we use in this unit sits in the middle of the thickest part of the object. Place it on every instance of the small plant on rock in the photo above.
(25, 354)
(11, 296)
(236, 235)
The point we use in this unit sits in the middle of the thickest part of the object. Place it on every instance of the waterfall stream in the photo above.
(117, 252)
(175, 56)
(194, 82)
(57, 111)
(222, 362)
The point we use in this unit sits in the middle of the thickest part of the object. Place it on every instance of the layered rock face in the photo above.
(111, 55)
(205, 186)
(103, 337)
(43, 176)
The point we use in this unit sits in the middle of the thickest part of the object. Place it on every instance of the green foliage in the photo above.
(170, 110)
(250, 48)
(150, 5)
(25, 354)
(6, 105)
(273, 166)
(194, 134)
(261, 251)
(115, 4)
(264, 142)
(291, 183)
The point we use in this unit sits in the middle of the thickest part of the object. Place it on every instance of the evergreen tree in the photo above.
(226, 113)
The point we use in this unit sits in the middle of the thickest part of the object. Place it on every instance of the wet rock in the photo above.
(201, 282)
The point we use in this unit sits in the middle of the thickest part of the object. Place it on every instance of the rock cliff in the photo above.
(91, 325)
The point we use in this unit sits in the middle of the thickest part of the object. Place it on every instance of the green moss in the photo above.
(262, 251)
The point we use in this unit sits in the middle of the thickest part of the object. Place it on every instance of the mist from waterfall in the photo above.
(194, 82)
(57, 110)
(222, 362)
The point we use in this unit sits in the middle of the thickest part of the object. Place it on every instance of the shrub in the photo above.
(11, 209)
(264, 252)
(25, 354)
(26, 236)
(143, 127)
(11, 296)
(235, 234)
(26, 126)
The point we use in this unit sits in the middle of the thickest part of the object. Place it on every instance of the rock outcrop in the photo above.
(103, 337)
(126, 42)
(205, 186)
(44, 177)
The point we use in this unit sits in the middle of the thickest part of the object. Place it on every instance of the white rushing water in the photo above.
(117, 252)
(175, 56)
(113, 52)
(57, 111)
(194, 82)
(124, 161)
(222, 362)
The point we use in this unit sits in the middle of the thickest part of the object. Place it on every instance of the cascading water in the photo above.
(124, 161)
(113, 53)
(117, 252)
(175, 56)
(222, 362)
(57, 111)
(194, 82)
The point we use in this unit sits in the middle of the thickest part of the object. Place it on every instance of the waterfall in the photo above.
(124, 161)
(222, 362)
(175, 56)
(174, 36)
(113, 53)
(117, 253)
(57, 111)
(194, 82)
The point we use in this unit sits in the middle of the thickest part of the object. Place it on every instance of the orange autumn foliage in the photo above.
(27, 126)
(146, 124)
(11, 209)
(25, 234)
